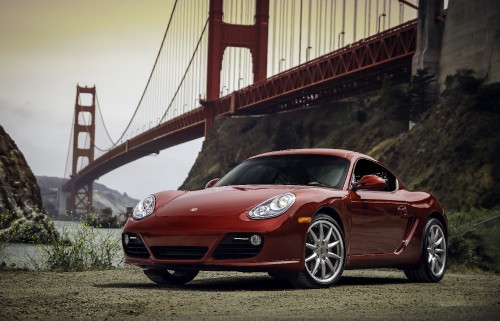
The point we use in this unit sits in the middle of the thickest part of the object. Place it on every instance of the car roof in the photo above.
(348, 154)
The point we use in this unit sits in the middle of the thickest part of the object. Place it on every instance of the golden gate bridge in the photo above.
(243, 57)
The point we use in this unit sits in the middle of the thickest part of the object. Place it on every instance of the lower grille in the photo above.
(237, 246)
(179, 252)
(134, 247)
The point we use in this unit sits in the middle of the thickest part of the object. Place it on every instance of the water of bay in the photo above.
(22, 254)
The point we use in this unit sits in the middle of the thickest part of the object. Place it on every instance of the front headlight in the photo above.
(144, 208)
(272, 207)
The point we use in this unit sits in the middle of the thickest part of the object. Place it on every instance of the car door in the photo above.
(378, 218)
(378, 222)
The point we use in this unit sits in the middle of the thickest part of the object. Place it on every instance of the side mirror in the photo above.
(212, 182)
(371, 183)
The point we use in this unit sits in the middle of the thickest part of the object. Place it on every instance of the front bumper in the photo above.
(215, 243)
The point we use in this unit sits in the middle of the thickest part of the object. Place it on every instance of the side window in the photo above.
(367, 167)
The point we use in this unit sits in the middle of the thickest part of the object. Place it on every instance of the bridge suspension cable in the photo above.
(68, 154)
(103, 124)
(185, 73)
(150, 76)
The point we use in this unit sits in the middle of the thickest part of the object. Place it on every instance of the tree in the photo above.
(393, 101)
(422, 93)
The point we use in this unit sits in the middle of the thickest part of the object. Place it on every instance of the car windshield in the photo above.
(310, 170)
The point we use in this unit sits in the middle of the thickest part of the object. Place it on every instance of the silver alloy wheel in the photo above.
(436, 250)
(324, 258)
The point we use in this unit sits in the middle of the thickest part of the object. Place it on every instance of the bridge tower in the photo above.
(222, 35)
(81, 196)
(429, 36)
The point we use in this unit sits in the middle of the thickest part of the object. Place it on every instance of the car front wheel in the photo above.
(324, 254)
(432, 264)
(171, 277)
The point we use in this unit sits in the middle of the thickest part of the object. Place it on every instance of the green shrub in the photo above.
(78, 249)
(474, 239)
(31, 228)
(422, 93)
(463, 80)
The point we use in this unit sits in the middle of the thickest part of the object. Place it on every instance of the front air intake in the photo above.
(134, 246)
(179, 252)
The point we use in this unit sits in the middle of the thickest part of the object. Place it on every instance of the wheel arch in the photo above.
(440, 217)
(334, 214)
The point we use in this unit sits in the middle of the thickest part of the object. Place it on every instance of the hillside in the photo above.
(452, 151)
(103, 196)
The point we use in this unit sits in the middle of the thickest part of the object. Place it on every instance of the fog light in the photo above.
(126, 239)
(256, 240)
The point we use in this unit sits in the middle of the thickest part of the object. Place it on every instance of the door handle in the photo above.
(402, 210)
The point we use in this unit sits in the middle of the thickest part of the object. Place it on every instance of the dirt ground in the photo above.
(126, 294)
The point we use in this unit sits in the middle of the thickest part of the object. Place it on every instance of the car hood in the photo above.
(217, 201)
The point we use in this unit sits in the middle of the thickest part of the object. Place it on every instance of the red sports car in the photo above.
(304, 214)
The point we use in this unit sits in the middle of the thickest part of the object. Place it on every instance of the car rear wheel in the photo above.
(432, 264)
(171, 277)
(324, 254)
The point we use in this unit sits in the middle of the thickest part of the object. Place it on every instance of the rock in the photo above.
(21, 209)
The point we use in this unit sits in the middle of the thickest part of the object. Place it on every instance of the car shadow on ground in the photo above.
(250, 283)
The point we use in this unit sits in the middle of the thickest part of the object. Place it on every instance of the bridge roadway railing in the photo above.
(357, 67)
(389, 50)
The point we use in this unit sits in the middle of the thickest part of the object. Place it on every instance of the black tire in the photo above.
(432, 264)
(324, 255)
(171, 277)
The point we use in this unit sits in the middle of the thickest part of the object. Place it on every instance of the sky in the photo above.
(49, 47)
